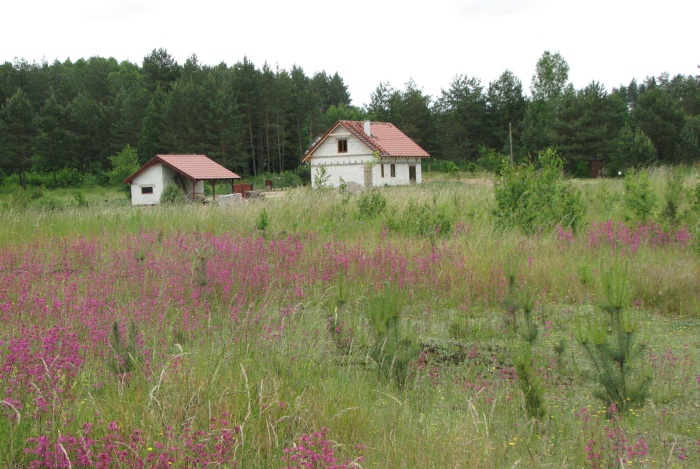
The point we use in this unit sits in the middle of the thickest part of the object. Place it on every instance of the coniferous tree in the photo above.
(17, 135)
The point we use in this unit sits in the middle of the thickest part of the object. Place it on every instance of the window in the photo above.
(393, 170)
(343, 145)
(147, 190)
(382, 166)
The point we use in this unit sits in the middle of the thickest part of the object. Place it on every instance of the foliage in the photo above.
(321, 178)
(529, 383)
(303, 171)
(610, 339)
(459, 122)
(673, 195)
(550, 78)
(393, 348)
(586, 126)
(371, 204)
(451, 169)
(424, 220)
(639, 198)
(491, 160)
(660, 117)
(125, 349)
(536, 200)
(124, 164)
(634, 149)
(172, 195)
(263, 222)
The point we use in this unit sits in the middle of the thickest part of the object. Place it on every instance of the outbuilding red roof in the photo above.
(385, 138)
(198, 167)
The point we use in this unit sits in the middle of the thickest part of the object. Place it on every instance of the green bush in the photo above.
(536, 200)
(530, 383)
(49, 203)
(172, 195)
(639, 197)
(424, 220)
(124, 164)
(303, 172)
(491, 160)
(371, 204)
(451, 169)
(610, 338)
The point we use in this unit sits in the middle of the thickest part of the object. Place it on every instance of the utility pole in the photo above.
(510, 136)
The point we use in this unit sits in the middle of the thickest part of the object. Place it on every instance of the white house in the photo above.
(188, 172)
(368, 153)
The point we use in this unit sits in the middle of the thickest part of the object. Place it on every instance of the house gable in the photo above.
(354, 151)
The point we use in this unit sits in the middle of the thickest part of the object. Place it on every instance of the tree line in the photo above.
(68, 118)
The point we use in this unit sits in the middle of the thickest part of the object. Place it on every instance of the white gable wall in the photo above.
(350, 166)
(157, 177)
(151, 177)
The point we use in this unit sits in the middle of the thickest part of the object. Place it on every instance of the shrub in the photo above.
(172, 195)
(321, 178)
(530, 383)
(639, 198)
(451, 169)
(80, 200)
(422, 220)
(303, 171)
(611, 344)
(263, 222)
(49, 203)
(124, 164)
(371, 204)
(673, 196)
(537, 200)
(491, 160)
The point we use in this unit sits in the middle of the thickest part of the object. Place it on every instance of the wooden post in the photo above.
(510, 136)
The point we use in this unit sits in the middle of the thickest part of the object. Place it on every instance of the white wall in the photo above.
(151, 177)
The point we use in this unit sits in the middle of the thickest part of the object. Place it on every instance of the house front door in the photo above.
(412, 174)
(368, 176)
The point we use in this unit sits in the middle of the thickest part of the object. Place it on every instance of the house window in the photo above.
(382, 166)
(393, 170)
(147, 190)
(343, 146)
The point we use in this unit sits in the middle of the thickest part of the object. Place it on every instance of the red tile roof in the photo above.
(197, 167)
(385, 138)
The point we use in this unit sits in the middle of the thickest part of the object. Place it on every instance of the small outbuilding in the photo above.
(188, 172)
(366, 153)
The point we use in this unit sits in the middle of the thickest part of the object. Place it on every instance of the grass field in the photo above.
(324, 329)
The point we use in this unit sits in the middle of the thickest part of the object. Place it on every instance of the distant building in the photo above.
(367, 153)
(188, 172)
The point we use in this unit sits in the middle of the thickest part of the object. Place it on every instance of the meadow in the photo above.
(401, 328)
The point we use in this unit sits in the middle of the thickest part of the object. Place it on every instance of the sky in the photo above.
(371, 41)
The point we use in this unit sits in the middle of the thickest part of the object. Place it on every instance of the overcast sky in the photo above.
(368, 41)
